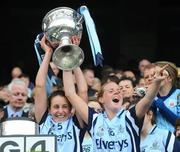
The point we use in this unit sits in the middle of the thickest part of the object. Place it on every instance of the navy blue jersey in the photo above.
(122, 133)
(171, 103)
(67, 133)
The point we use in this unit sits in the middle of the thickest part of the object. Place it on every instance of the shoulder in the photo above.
(45, 117)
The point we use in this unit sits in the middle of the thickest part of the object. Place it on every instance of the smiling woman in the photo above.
(53, 112)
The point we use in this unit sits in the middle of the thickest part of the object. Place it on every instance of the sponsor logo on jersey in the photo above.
(116, 145)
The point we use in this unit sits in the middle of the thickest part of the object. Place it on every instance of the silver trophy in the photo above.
(59, 25)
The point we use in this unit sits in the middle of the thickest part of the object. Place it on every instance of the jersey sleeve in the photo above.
(138, 122)
(44, 117)
(172, 144)
(92, 118)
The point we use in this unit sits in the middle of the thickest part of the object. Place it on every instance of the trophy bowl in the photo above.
(59, 26)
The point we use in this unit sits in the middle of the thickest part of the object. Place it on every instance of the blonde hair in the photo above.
(101, 91)
(171, 69)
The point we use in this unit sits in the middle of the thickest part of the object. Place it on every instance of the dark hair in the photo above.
(54, 94)
(23, 75)
(153, 109)
(123, 78)
(177, 123)
(112, 78)
(2, 103)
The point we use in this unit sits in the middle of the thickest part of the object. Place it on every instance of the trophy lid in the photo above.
(60, 22)
(61, 16)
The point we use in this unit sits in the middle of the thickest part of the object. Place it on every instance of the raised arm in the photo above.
(144, 104)
(78, 103)
(81, 90)
(40, 82)
(81, 83)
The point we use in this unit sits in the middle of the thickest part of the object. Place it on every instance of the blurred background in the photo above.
(128, 31)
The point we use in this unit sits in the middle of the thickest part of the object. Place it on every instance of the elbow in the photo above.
(69, 95)
(40, 83)
(39, 86)
(82, 91)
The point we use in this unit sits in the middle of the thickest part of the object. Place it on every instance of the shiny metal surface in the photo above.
(60, 22)
(59, 25)
(68, 57)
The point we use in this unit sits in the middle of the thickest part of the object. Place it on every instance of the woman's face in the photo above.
(60, 109)
(112, 98)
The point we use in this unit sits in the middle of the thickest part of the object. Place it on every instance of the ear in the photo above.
(169, 79)
(150, 114)
(100, 100)
(72, 111)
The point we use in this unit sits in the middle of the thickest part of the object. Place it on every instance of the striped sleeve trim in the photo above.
(170, 142)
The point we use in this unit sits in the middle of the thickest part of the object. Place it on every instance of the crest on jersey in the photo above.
(121, 129)
(155, 146)
(171, 103)
(100, 131)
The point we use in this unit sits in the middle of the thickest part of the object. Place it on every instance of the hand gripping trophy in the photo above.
(60, 25)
